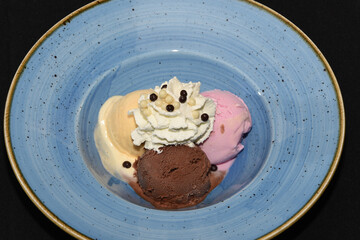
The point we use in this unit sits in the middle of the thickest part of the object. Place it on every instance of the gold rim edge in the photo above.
(339, 148)
(79, 235)
(23, 183)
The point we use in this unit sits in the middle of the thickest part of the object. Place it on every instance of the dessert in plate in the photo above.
(172, 144)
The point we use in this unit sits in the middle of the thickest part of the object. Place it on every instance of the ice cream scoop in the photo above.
(180, 176)
(232, 121)
(113, 135)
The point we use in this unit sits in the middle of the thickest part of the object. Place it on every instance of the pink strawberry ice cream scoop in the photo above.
(232, 121)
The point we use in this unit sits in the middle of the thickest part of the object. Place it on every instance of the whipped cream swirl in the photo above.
(174, 114)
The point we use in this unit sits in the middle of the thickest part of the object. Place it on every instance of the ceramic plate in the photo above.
(114, 47)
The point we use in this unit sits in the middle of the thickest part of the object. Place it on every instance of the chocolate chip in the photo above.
(170, 108)
(183, 93)
(164, 86)
(126, 164)
(213, 167)
(204, 117)
(153, 97)
(182, 99)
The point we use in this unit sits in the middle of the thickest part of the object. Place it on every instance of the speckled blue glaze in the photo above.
(120, 46)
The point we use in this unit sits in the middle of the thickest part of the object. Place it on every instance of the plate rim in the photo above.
(73, 232)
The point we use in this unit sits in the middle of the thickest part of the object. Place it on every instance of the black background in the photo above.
(333, 26)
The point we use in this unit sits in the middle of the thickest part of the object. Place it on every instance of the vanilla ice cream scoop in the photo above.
(113, 135)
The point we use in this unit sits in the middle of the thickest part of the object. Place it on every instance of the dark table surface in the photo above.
(333, 26)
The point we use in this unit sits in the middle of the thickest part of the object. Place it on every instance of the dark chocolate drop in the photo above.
(204, 117)
(182, 99)
(126, 164)
(213, 167)
(183, 93)
(153, 97)
(170, 108)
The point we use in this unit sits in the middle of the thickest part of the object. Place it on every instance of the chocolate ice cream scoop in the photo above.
(178, 177)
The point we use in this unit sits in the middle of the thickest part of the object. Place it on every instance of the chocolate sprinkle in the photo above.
(182, 99)
(183, 93)
(153, 97)
(204, 117)
(170, 108)
(126, 164)
(213, 167)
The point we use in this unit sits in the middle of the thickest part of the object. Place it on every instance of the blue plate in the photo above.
(114, 47)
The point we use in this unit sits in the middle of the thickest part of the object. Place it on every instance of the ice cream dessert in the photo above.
(171, 144)
(113, 135)
(177, 177)
(232, 122)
